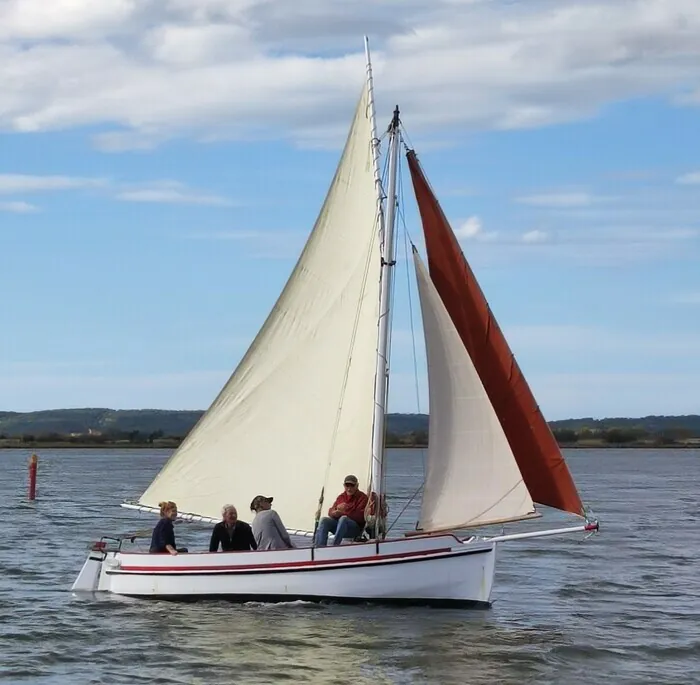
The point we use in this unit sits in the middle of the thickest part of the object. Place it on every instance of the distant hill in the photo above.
(179, 423)
(111, 421)
(649, 424)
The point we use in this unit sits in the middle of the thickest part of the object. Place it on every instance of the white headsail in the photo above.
(296, 415)
(472, 477)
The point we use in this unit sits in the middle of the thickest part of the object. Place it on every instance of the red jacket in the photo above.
(355, 507)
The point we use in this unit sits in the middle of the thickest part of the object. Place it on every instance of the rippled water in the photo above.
(622, 607)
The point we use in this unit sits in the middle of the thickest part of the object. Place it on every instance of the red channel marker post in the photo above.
(33, 463)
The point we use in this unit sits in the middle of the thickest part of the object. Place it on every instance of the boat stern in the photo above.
(488, 573)
(91, 577)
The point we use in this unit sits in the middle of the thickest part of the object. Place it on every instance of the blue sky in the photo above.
(162, 162)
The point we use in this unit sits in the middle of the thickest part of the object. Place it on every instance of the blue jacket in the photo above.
(163, 534)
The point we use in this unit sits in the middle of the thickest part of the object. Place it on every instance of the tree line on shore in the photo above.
(566, 437)
(167, 428)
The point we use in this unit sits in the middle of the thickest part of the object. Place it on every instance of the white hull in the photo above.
(438, 570)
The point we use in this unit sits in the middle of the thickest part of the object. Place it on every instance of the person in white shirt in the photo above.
(268, 530)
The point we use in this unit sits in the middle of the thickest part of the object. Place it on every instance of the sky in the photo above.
(162, 162)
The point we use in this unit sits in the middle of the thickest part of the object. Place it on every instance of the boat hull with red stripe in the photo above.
(437, 570)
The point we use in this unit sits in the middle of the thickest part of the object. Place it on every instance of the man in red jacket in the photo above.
(346, 517)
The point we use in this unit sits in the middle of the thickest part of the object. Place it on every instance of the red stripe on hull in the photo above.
(289, 564)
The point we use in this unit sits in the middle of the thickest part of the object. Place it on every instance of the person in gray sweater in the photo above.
(268, 530)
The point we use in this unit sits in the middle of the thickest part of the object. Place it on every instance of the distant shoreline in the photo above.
(166, 444)
(153, 428)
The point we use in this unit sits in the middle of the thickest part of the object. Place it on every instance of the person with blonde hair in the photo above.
(163, 538)
(231, 534)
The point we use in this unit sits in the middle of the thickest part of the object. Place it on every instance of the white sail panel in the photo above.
(472, 477)
(296, 415)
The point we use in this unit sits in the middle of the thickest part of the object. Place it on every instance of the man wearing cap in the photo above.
(268, 530)
(346, 517)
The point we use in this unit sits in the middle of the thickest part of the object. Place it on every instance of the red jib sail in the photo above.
(536, 452)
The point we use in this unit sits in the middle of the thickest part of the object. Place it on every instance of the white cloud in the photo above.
(557, 200)
(691, 178)
(172, 192)
(262, 68)
(197, 44)
(535, 236)
(470, 228)
(582, 244)
(168, 191)
(23, 183)
(36, 19)
(473, 229)
(18, 207)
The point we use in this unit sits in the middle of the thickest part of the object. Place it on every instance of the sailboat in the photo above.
(307, 404)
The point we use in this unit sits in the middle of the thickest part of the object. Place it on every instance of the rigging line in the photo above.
(398, 516)
(410, 304)
(392, 300)
(407, 239)
(406, 139)
(402, 207)
(384, 177)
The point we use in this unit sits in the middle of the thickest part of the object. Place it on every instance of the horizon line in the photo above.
(394, 413)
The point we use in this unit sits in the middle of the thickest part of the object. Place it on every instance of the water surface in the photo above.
(622, 607)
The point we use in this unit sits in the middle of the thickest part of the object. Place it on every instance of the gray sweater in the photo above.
(269, 531)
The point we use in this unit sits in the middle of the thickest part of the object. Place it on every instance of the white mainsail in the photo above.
(472, 477)
(296, 415)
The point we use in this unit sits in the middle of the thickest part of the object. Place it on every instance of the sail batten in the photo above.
(533, 446)
(296, 415)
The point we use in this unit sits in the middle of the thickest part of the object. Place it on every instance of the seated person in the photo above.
(231, 534)
(268, 530)
(346, 516)
(163, 538)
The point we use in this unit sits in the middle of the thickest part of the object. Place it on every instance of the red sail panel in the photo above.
(536, 452)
